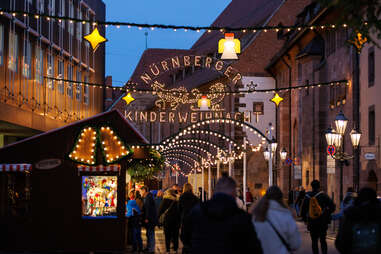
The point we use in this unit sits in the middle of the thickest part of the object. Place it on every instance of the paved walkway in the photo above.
(304, 249)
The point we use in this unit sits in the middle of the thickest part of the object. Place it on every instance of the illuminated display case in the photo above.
(99, 196)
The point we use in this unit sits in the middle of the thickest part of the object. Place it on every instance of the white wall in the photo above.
(269, 107)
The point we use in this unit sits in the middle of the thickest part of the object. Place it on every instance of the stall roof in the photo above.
(59, 142)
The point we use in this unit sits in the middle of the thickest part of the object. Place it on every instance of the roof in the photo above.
(309, 16)
(314, 48)
(58, 143)
(239, 13)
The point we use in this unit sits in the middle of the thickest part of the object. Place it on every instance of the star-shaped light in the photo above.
(251, 86)
(95, 39)
(277, 99)
(128, 98)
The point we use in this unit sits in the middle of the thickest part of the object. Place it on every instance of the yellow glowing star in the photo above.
(95, 39)
(277, 99)
(128, 98)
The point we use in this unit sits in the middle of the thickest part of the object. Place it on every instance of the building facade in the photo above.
(313, 56)
(370, 106)
(34, 49)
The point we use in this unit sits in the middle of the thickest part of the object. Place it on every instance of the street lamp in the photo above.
(283, 154)
(336, 138)
(266, 154)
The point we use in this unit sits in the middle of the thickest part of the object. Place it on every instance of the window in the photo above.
(52, 7)
(1, 45)
(27, 59)
(70, 77)
(300, 72)
(39, 65)
(86, 92)
(78, 89)
(258, 108)
(61, 75)
(307, 177)
(99, 196)
(87, 29)
(50, 71)
(18, 194)
(40, 5)
(12, 55)
(71, 15)
(79, 26)
(372, 125)
(62, 12)
(371, 66)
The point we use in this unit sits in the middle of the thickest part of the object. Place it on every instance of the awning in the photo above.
(15, 167)
(99, 168)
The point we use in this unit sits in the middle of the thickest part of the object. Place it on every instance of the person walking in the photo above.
(150, 218)
(275, 225)
(170, 217)
(186, 202)
(316, 212)
(139, 199)
(219, 226)
(347, 202)
(134, 223)
(299, 200)
(360, 228)
(158, 199)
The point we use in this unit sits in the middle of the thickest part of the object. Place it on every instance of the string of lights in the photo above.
(252, 90)
(175, 28)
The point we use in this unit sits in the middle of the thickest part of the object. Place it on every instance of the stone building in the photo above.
(32, 49)
(315, 54)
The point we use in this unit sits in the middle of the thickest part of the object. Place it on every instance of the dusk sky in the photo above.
(126, 45)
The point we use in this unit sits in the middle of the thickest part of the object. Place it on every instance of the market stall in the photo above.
(71, 183)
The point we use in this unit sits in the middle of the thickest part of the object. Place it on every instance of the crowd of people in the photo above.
(222, 225)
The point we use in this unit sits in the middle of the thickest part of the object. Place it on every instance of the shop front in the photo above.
(65, 190)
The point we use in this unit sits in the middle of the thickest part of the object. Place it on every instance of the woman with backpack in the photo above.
(275, 225)
(360, 230)
(169, 217)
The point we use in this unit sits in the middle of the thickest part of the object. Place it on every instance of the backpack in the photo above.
(314, 209)
(366, 238)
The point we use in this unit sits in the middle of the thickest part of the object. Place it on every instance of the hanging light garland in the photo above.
(112, 145)
(249, 91)
(175, 28)
(84, 149)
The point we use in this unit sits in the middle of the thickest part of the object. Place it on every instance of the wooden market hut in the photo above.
(41, 204)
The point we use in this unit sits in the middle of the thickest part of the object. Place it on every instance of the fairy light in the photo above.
(83, 151)
(112, 145)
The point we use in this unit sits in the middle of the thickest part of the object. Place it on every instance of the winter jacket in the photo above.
(359, 214)
(285, 224)
(186, 202)
(149, 209)
(132, 205)
(173, 215)
(219, 226)
(327, 206)
(347, 202)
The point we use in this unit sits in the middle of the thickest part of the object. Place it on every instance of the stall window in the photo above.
(99, 196)
(18, 189)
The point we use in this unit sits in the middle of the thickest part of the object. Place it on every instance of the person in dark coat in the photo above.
(150, 218)
(360, 228)
(169, 208)
(186, 202)
(318, 226)
(219, 226)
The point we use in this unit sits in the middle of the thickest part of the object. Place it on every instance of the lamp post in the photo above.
(269, 154)
(336, 138)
